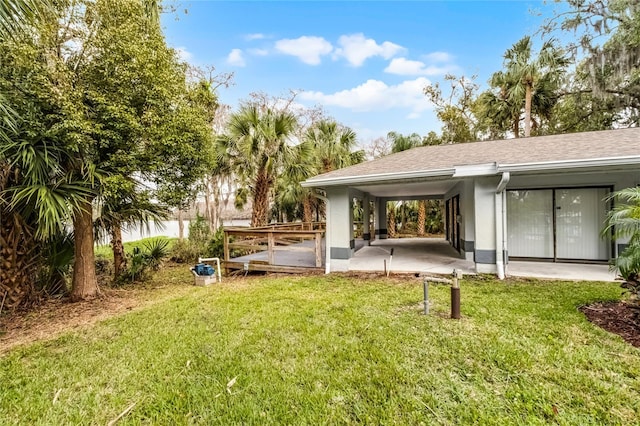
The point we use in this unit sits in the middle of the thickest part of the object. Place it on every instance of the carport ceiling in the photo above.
(408, 189)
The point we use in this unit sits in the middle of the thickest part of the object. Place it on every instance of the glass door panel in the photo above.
(580, 216)
(530, 223)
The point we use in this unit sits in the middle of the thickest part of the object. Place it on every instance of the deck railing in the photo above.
(275, 237)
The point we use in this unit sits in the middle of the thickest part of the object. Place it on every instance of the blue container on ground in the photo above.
(202, 269)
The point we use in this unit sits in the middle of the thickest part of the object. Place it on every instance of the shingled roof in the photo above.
(572, 147)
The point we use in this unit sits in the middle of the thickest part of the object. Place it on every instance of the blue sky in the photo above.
(365, 62)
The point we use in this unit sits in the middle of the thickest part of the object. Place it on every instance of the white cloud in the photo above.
(184, 54)
(375, 95)
(236, 58)
(309, 49)
(356, 49)
(439, 57)
(254, 36)
(403, 66)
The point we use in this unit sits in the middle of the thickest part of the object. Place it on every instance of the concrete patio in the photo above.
(434, 256)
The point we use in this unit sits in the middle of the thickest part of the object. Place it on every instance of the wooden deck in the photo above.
(288, 248)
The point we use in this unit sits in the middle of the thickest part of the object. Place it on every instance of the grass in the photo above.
(105, 250)
(335, 350)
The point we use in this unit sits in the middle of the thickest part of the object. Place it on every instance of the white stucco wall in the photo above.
(341, 231)
(465, 189)
(467, 206)
(484, 190)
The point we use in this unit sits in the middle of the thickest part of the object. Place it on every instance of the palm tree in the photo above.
(327, 146)
(43, 192)
(525, 74)
(333, 145)
(400, 143)
(53, 178)
(497, 111)
(129, 208)
(257, 142)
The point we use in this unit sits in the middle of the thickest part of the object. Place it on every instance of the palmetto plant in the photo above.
(141, 260)
(40, 193)
(125, 208)
(624, 221)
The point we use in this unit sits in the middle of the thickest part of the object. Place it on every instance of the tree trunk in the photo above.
(259, 215)
(17, 251)
(422, 216)
(516, 127)
(17, 264)
(180, 226)
(527, 111)
(84, 284)
(307, 209)
(119, 259)
(403, 217)
(391, 223)
(208, 211)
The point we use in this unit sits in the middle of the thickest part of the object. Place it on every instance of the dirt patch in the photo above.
(57, 316)
(615, 317)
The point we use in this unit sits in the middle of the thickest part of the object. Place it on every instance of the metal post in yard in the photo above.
(388, 271)
(455, 295)
(425, 283)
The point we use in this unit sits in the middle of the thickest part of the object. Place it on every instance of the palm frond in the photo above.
(17, 15)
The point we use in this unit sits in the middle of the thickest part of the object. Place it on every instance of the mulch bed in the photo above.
(615, 317)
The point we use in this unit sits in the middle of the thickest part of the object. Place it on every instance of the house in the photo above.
(536, 198)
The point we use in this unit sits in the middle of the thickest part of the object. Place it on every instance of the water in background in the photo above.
(169, 229)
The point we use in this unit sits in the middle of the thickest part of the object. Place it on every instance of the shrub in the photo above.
(184, 252)
(624, 220)
(199, 232)
(104, 265)
(215, 248)
(142, 261)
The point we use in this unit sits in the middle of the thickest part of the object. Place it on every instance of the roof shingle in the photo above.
(565, 147)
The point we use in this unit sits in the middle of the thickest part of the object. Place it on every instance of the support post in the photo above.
(425, 284)
(455, 295)
(318, 249)
(270, 250)
(226, 250)
(366, 215)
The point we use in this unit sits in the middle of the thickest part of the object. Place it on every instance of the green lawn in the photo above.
(318, 350)
(106, 251)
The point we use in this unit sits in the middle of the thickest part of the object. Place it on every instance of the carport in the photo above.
(507, 202)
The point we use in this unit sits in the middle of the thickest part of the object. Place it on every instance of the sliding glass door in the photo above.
(530, 223)
(557, 224)
(580, 216)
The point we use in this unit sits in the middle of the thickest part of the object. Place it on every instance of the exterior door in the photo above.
(580, 215)
(562, 224)
(452, 223)
(530, 223)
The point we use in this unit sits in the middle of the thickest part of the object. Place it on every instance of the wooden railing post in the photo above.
(271, 252)
(318, 249)
(226, 250)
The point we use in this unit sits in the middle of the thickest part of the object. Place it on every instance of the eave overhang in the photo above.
(570, 164)
(473, 170)
(377, 178)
